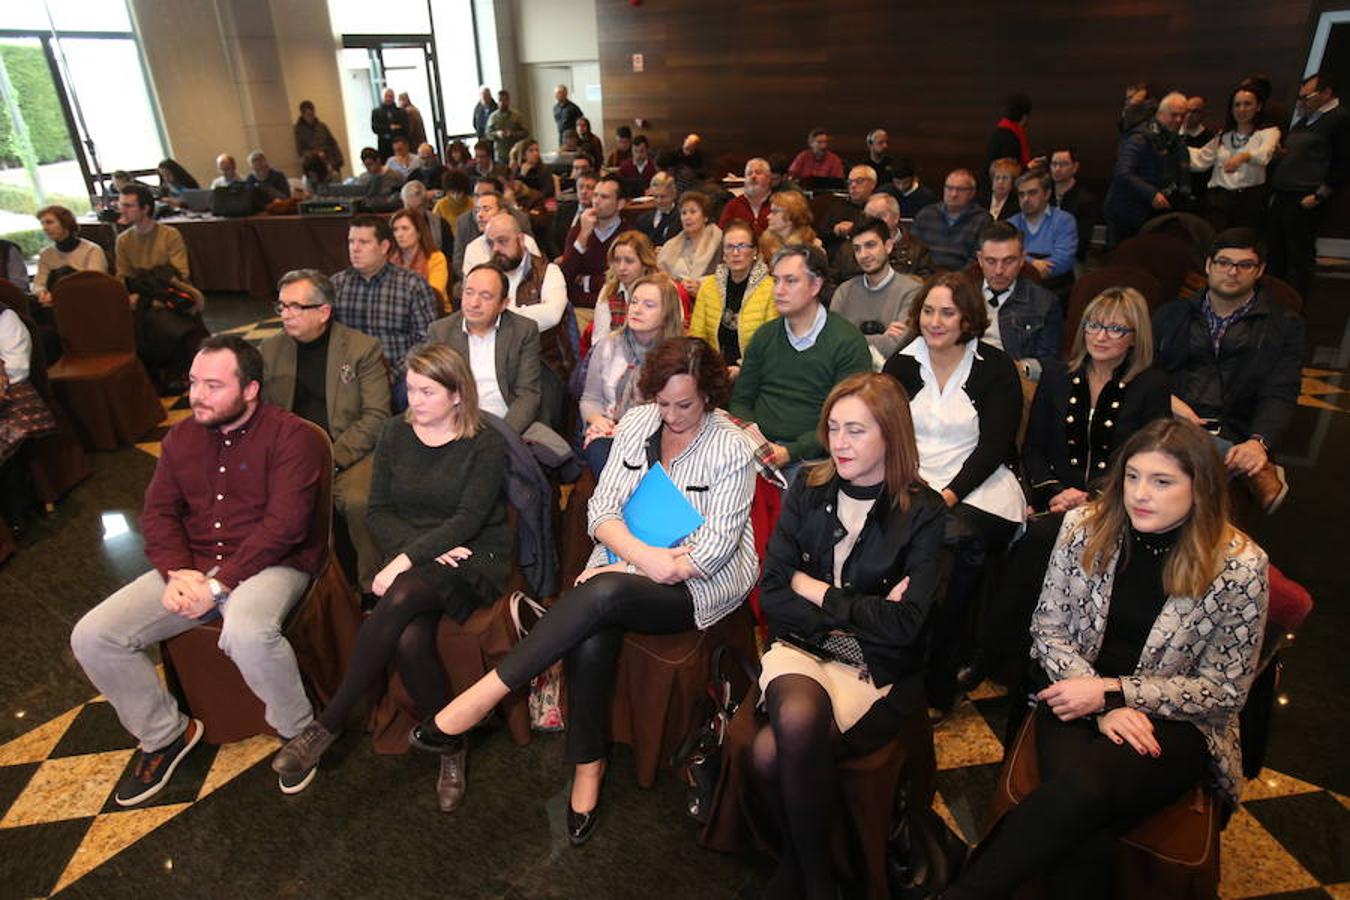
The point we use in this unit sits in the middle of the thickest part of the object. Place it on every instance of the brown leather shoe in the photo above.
(451, 783)
(1269, 487)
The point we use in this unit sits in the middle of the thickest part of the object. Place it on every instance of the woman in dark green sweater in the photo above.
(438, 513)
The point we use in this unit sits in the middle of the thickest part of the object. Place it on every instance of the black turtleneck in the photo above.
(858, 492)
(311, 380)
(1137, 597)
(68, 243)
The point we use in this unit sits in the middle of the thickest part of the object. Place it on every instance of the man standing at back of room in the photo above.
(227, 527)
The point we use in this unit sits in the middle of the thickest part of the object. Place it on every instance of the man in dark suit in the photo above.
(335, 377)
(1072, 197)
(502, 349)
(1025, 320)
(662, 222)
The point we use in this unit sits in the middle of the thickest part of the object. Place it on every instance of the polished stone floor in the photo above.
(368, 826)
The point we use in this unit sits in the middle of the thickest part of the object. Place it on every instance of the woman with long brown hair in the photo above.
(631, 256)
(414, 249)
(1148, 632)
(790, 220)
(850, 578)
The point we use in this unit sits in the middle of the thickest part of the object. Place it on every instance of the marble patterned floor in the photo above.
(369, 827)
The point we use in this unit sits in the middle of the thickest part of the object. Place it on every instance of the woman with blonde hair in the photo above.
(1082, 414)
(653, 315)
(1002, 203)
(1147, 635)
(694, 252)
(438, 513)
(413, 248)
(790, 220)
(849, 580)
(630, 257)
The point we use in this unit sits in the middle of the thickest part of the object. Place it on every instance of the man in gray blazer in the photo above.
(335, 377)
(502, 349)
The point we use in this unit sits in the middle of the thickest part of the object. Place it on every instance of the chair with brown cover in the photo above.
(1282, 292)
(1173, 853)
(741, 818)
(1094, 281)
(99, 378)
(12, 295)
(56, 462)
(659, 683)
(321, 630)
(1189, 228)
(1168, 258)
(467, 652)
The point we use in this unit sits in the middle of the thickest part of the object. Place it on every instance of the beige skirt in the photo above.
(850, 696)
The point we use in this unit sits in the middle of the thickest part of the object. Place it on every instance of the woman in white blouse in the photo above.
(68, 251)
(1237, 157)
(966, 401)
(631, 585)
(697, 249)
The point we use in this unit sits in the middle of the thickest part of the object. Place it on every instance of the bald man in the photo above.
(1152, 171)
(229, 171)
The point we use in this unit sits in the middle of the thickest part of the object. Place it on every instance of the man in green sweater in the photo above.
(790, 368)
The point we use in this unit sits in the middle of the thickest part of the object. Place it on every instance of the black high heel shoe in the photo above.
(580, 826)
(426, 736)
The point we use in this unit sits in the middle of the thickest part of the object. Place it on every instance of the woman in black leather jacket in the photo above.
(849, 582)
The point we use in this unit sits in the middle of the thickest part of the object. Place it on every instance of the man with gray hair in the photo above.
(753, 204)
(862, 183)
(1152, 171)
(272, 181)
(335, 377)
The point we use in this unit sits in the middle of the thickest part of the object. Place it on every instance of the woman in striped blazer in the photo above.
(630, 585)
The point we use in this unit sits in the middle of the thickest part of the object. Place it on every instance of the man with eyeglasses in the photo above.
(335, 377)
(1314, 167)
(1025, 320)
(817, 166)
(1233, 357)
(862, 183)
(1072, 197)
(951, 228)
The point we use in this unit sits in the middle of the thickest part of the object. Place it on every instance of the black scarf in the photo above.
(68, 243)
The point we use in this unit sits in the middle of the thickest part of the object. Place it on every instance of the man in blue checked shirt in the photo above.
(391, 304)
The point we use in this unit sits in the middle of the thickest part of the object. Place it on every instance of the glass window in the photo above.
(69, 15)
(364, 17)
(117, 111)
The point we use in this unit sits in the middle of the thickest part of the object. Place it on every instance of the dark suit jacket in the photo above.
(517, 361)
(669, 227)
(356, 390)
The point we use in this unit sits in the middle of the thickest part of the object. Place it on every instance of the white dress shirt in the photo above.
(476, 252)
(483, 364)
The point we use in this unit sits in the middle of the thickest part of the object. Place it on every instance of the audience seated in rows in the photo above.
(907, 189)
(1073, 198)
(335, 377)
(949, 228)
(788, 371)
(789, 223)
(226, 518)
(753, 204)
(391, 304)
(736, 299)
(613, 385)
(68, 252)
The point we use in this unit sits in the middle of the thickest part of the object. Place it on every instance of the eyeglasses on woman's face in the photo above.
(1112, 330)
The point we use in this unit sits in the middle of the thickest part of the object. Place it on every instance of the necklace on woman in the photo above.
(1238, 139)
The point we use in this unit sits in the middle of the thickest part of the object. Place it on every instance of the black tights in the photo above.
(794, 761)
(403, 626)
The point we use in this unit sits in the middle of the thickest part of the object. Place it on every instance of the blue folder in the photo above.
(658, 513)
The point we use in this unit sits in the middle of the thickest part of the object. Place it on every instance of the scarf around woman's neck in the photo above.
(634, 353)
(68, 243)
(1021, 134)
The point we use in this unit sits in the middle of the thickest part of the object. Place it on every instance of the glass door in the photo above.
(402, 63)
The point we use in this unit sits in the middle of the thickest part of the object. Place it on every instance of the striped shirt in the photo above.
(395, 306)
(717, 473)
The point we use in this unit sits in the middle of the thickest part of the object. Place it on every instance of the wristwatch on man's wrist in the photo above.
(219, 593)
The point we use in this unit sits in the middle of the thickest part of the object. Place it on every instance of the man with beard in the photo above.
(227, 527)
(753, 204)
(878, 300)
(1233, 355)
(537, 289)
(335, 377)
(486, 207)
(388, 121)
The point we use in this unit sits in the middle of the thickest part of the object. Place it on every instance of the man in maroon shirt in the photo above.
(753, 204)
(227, 526)
(585, 252)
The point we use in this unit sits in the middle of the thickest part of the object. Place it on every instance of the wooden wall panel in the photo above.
(753, 76)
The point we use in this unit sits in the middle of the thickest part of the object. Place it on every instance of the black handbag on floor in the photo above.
(923, 855)
(698, 761)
